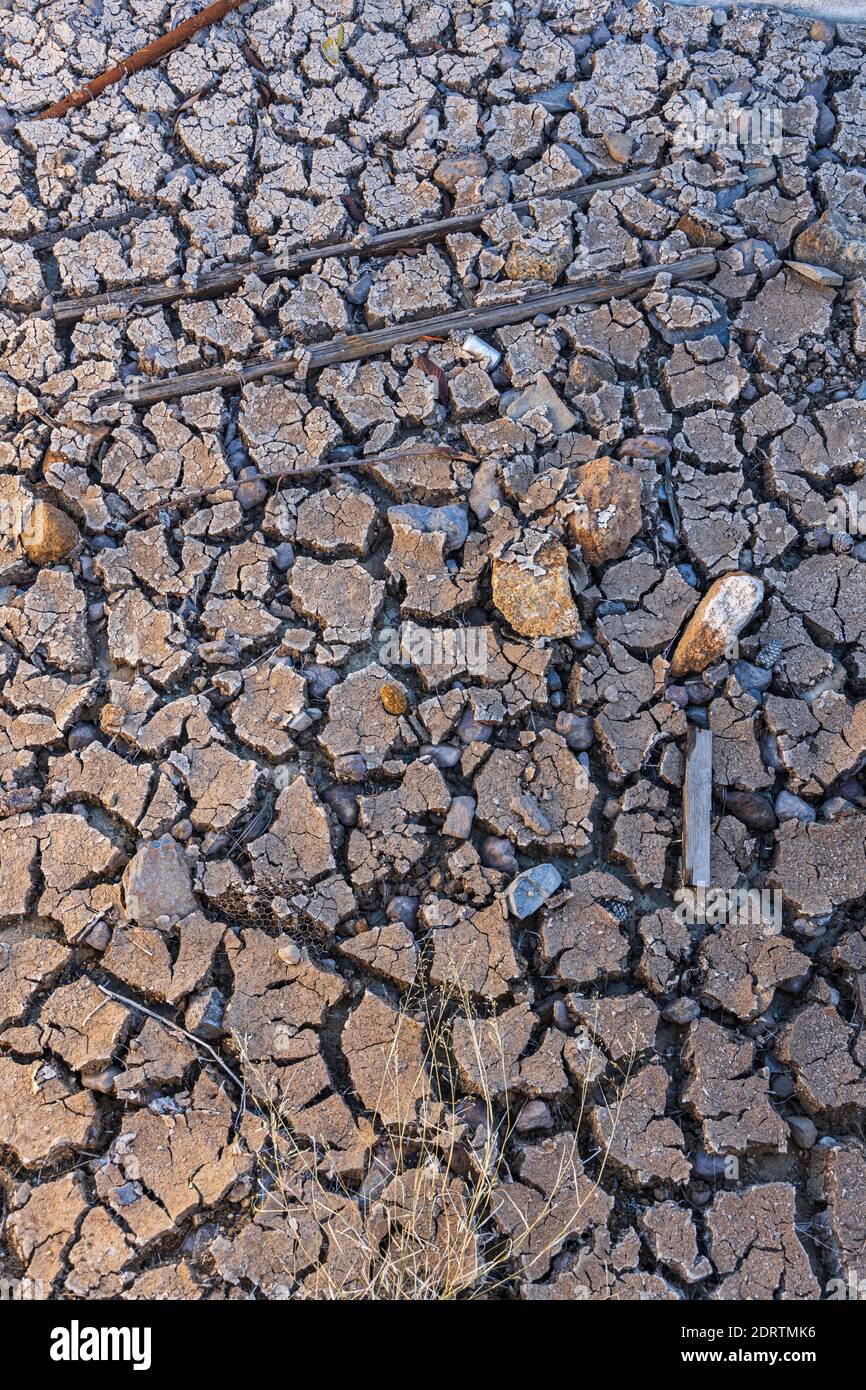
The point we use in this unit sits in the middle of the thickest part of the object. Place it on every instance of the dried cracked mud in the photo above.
(341, 814)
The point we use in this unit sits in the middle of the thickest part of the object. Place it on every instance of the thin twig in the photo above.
(176, 1028)
(143, 58)
(303, 471)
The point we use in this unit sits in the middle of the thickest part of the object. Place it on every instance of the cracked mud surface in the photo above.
(280, 764)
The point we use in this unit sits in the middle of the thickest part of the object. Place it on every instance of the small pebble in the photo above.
(708, 1165)
(498, 853)
(101, 1081)
(320, 679)
(403, 909)
(770, 751)
(851, 789)
(534, 1115)
(469, 730)
(576, 729)
(790, 807)
(803, 1131)
(458, 822)
(556, 98)
(97, 937)
(126, 1194)
(357, 293)
(782, 1085)
(755, 679)
(204, 1015)
(442, 755)
(699, 693)
(344, 803)
(750, 808)
(560, 1016)
(393, 698)
(252, 493)
(583, 642)
(80, 735)
(350, 767)
(682, 1011)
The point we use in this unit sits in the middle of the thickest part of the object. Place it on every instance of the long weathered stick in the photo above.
(697, 808)
(227, 278)
(144, 58)
(360, 345)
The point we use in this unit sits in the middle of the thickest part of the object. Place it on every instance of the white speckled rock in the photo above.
(722, 613)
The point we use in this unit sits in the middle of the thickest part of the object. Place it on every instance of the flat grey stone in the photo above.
(526, 893)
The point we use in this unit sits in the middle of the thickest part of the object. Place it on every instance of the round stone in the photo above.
(48, 534)
(393, 698)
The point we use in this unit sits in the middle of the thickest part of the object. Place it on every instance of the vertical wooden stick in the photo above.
(697, 808)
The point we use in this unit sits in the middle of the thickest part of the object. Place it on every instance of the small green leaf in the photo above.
(330, 51)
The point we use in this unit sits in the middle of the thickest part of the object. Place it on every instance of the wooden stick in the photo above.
(304, 470)
(697, 808)
(144, 58)
(351, 349)
(43, 241)
(228, 278)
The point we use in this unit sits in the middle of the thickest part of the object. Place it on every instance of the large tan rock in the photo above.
(834, 241)
(608, 513)
(720, 616)
(48, 534)
(534, 595)
(158, 883)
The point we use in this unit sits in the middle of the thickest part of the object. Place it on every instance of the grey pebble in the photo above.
(498, 853)
(790, 807)
(458, 821)
(803, 1131)
(682, 1011)
(343, 803)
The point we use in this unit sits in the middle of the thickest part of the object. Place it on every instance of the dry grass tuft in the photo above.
(432, 1218)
